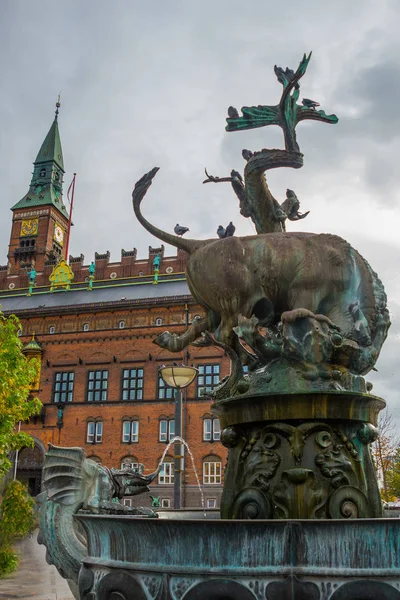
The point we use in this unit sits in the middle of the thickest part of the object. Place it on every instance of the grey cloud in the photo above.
(148, 84)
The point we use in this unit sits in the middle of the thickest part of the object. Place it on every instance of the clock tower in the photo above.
(40, 219)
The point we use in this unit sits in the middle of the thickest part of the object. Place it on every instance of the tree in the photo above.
(17, 375)
(16, 520)
(393, 476)
(384, 449)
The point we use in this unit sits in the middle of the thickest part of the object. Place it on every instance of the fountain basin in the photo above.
(137, 558)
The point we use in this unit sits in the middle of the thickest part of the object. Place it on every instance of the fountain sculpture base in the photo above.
(141, 559)
(300, 456)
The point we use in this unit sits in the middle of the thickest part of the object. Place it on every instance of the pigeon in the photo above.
(310, 103)
(221, 231)
(230, 230)
(179, 230)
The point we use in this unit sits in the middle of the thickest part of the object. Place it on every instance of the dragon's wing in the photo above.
(63, 474)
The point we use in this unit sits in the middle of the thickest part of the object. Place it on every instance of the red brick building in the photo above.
(93, 327)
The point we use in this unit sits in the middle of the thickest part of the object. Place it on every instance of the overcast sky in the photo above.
(148, 84)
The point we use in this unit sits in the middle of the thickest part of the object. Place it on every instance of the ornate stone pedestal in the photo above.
(300, 456)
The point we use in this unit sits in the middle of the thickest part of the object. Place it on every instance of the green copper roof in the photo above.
(51, 147)
(47, 177)
(38, 196)
(32, 345)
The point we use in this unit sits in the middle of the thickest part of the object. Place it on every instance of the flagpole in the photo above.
(70, 215)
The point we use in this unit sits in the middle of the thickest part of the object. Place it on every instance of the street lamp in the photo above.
(178, 377)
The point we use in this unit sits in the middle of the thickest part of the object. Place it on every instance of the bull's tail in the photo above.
(138, 194)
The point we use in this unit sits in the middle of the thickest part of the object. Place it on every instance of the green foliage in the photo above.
(16, 377)
(16, 512)
(393, 476)
(8, 562)
(17, 518)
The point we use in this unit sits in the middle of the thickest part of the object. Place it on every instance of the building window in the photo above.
(52, 329)
(208, 378)
(212, 471)
(132, 463)
(211, 503)
(167, 430)
(97, 386)
(164, 391)
(121, 324)
(166, 475)
(42, 173)
(63, 386)
(159, 321)
(132, 384)
(127, 501)
(86, 327)
(245, 369)
(165, 503)
(94, 432)
(211, 430)
(130, 431)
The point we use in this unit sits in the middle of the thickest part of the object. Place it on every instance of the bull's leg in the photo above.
(176, 343)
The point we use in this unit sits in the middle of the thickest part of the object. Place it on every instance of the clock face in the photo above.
(29, 227)
(58, 235)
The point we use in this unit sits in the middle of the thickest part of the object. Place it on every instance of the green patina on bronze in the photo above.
(307, 314)
(286, 114)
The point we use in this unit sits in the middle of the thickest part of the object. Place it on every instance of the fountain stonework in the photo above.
(301, 514)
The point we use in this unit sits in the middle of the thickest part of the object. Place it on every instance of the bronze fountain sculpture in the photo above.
(307, 314)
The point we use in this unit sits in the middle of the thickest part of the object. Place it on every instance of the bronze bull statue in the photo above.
(267, 275)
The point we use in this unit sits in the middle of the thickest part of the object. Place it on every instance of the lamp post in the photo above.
(178, 377)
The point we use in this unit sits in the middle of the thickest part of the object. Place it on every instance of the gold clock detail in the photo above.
(29, 227)
(58, 234)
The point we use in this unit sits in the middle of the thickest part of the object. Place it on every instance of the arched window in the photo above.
(94, 432)
(212, 470)
(42, 173)
(130, 431)
(52, 329)
(166, 474)
(211, 430)
(132, 463)
(86, 327)
(166, 430)
(158, 321)
(121, 324)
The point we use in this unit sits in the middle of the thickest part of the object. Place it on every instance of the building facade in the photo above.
(93, 328)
